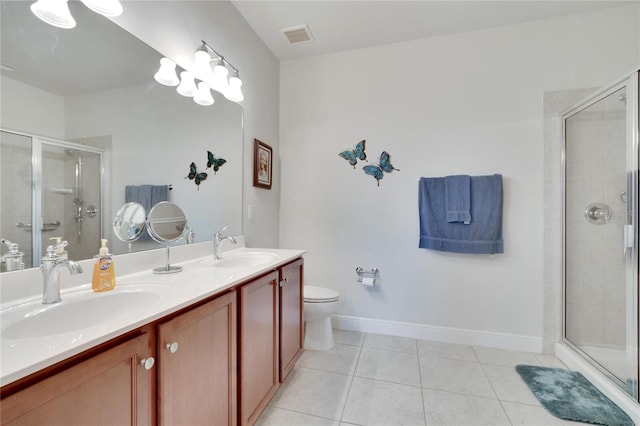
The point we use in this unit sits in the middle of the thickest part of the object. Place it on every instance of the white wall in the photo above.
(32, 110)
(175, 29)
(468, 103)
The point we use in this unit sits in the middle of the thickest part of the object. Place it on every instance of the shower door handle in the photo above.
(628, 239)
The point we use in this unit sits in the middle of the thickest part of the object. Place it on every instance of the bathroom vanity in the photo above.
(212, 349)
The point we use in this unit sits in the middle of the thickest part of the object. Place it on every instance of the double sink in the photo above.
(34, 336)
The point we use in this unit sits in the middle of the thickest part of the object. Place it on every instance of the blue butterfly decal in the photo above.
(215, 162)
(195, 176)
(376, 170)
(352, 156)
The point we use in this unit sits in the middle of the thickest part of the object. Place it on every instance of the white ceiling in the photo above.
(345, 25)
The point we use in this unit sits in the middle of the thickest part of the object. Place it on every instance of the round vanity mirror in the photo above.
(129, 222)
(166, 222)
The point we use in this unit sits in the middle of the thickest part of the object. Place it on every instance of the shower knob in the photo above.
(598, 213)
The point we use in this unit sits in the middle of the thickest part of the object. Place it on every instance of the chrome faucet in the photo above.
(51, 265)
(217, 242)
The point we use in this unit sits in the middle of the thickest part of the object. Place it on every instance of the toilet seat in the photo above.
(319, 294)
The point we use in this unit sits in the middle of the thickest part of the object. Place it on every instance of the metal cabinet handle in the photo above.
(284, 280)
(147, 363)
(172, 347)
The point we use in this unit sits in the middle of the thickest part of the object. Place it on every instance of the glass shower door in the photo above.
(600, 241)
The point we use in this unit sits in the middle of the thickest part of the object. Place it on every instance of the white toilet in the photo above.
(319, 304)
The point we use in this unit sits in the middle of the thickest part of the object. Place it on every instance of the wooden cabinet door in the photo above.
(197, 375)
(111, 388)
(258, 346)
(291, 320)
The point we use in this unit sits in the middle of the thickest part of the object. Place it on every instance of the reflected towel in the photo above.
(482, 235)
(458, 198)
(148, 196)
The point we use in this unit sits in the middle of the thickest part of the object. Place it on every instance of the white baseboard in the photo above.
(576, 362)
(512, 342)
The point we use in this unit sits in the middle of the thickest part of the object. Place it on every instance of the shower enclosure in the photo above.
(50, 188)
(601, 231)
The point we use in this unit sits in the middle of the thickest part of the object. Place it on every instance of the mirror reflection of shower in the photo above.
(80, 212)
(50, 188)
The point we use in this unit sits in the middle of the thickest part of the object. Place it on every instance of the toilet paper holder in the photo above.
(361, 273)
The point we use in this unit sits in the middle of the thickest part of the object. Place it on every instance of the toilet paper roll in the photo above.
(368, 281)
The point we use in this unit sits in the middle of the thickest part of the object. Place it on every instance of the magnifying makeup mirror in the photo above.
(166, 223)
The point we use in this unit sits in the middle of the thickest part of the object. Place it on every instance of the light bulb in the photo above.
(167, 73)
(203, 95)
(234, 92)
(219, 80)
(187, 86)
(54, 12)
(108, 8)
(202, 67)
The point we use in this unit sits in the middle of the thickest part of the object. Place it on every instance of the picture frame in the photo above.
(262, 164)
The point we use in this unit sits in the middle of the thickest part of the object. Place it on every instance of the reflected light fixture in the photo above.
(187, 85)
(109, 8)
(56, 12)
(167, 73)
(219, 80)
(203, 95)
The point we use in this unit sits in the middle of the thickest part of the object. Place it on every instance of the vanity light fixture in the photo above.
(203, 95)
(56, 12)
(167, 73)
(208, 78)
(187, 85)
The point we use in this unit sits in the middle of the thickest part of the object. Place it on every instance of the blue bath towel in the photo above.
(458, 198)
(482, 235)
(148, 196)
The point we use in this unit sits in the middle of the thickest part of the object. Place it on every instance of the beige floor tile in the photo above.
(548, 360)
(455, 376)
(273, 416)
(445, 408)
(315, 392)
(446, 350)
(339, 359)
(508, 385)
(390, 343)
(504, 357)
(397, 367)
(373, 402)
(347, 337)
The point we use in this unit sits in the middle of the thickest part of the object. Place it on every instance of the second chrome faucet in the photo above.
(217, 242)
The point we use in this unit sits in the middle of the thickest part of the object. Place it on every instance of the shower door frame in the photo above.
(37, 185)
(631, 82)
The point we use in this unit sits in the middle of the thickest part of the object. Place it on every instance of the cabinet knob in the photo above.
(284, 280)
(172, 347)
(147, 363)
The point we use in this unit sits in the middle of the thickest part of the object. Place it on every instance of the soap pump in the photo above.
(104, 276)
(59, 248)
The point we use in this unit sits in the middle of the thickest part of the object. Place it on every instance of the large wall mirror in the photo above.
(82, 119)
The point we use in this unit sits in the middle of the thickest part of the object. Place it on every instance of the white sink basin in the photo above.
(77, 311)
(243, 260)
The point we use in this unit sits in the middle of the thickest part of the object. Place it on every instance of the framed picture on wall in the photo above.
(262, 164)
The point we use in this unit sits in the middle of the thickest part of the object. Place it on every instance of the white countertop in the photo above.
(198, 280)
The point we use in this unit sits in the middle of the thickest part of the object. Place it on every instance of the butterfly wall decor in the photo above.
(195, 176)
(352, 156)
(384, 166)
(214, 162)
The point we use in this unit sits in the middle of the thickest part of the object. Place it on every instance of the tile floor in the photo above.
(371, 379)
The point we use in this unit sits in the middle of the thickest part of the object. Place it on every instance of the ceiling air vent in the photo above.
(298, 34)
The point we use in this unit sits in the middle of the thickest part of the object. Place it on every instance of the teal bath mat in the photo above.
(570, 396)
